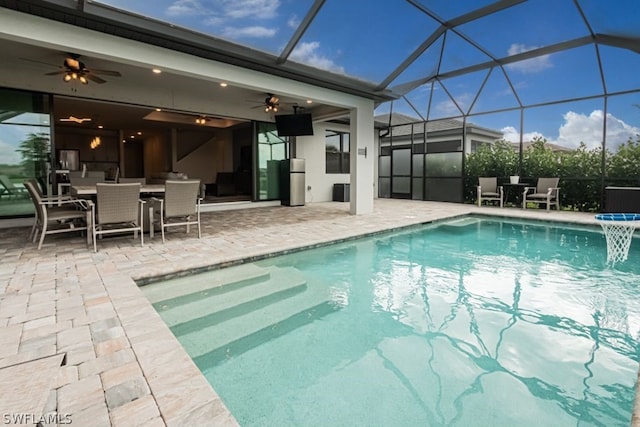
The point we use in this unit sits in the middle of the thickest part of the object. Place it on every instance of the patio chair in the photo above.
(488, 189)
(55, 215)
(546, 191)
(8, 188)
(180, 206)
(118, 209)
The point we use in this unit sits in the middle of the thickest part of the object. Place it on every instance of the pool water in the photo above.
(469, 322)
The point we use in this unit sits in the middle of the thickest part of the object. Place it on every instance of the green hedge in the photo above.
(580, 171)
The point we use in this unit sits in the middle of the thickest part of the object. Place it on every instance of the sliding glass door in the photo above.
(271, 149)
(25, 149)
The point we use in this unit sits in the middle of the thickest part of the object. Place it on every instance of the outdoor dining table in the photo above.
(513, 192)
(91, 190)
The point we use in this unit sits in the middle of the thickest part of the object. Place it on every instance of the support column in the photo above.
(362, 158)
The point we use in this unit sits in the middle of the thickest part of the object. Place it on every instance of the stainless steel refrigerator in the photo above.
(292, 181)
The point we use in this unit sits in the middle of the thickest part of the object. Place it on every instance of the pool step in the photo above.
(212, 307)
(238, 333)
(191, 288)
(459, 224)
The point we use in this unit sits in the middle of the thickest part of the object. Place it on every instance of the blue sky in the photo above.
(368, 39)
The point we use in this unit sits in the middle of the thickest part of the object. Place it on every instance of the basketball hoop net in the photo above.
(618, 231)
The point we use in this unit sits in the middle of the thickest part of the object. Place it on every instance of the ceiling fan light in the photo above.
(67, 77)
(84, 80)
(74, 76)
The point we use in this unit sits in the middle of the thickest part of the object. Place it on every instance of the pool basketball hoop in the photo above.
(618, 231)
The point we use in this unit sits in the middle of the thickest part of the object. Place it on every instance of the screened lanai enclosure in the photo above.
(555, 80)
(461, 89)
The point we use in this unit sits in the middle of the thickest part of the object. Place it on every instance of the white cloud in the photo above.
(528, 66)
(263, 9)
(293, 22)
(446, 109)
(511, 134)
(578, 127)
(224, 13)
(256, 31)
(307, 53)
(185, 8)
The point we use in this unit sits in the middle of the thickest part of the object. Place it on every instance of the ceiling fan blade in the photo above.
(95, 79)
(106, 72)
(53, 73)
(35, 61)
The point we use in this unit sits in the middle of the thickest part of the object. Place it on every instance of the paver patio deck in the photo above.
(122, 365)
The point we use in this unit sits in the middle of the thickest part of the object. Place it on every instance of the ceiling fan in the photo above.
(73, 69)
(270, 104)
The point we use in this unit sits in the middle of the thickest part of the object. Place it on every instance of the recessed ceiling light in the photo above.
(223, 84)
(309, 101)
(139, 133)
(100, 126)
(157, 70)
(132, 136)
(158, 109)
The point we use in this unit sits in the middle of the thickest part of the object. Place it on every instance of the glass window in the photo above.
(337, 152)
(25, 149)
(271, 150)
(444, 146)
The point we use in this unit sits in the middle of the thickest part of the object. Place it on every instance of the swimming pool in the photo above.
(464, 322)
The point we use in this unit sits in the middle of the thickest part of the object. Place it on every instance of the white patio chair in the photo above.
(56, 215)
(546, 191)
(180, 206)
(118, 209)
(488, 189)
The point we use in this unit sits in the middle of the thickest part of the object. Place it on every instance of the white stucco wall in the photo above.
(312, 149)
(210, 158)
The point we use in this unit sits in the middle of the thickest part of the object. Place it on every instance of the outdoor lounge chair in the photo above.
(55, 215)
(9, 189)
(118, 209)
(546, 191)
(180, 206)
(488, 189)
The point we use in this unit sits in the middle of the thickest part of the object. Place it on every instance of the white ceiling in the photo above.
(26, 67)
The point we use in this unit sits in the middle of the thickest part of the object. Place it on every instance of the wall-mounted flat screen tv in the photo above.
(294, 124)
